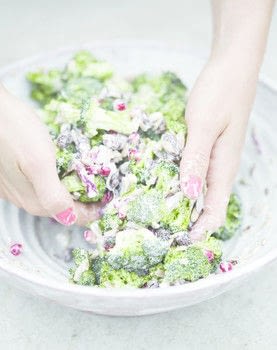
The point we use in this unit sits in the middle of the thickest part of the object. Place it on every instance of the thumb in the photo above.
(51, 193)
(195, 161)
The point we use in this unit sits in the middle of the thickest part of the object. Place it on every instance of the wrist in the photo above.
(237, 61)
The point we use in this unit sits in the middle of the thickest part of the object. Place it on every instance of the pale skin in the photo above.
(28, 176)
(217, 116)
(220, 103)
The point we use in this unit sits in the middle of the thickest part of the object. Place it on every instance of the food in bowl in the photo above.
(119, 142)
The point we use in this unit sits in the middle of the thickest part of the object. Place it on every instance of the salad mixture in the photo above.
(119, 142)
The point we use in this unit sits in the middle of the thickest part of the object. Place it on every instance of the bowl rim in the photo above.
(214, 280)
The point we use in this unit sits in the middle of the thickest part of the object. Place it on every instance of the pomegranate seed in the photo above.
(209, 254)
(105, 171)
(16, 249)
(90, 236)
(119, 105)
(226, 266)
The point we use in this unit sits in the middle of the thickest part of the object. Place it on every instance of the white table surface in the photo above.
(244, 318)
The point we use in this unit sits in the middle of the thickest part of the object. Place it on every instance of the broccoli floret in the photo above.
(45, 85)
(78, 89)
(110, 221)
(97, 139)
(213, 245)
(87, 278)
(141, 168)
(156, 273)
(233, 219)
(97, 118)
(74, 185)
(164, 93)
(179, 218)
(192, 263)
(174, 114)
(83, 273)
(188, 265)
(137, 251)
(107, 103)
(147, 208)
(84, 64)
(79, 256)
(155, 250)
(165, 83)
(63, 159)
(140, 171)
(58, 112)
(120, 278)
(165, 172)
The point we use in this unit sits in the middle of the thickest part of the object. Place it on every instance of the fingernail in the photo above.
(192, 186)
(66, 217)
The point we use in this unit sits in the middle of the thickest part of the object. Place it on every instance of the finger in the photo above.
(2, 192)
(51, 193)
(195, 160)
(221, 174)
(87, 213)
(23, 195)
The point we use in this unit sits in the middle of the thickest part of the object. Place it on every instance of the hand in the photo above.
(28, 176)
(217, 115)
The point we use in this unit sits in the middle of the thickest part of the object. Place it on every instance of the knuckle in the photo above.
(195, 162)
(29, 161)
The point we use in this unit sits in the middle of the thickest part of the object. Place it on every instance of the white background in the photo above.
(245, 318)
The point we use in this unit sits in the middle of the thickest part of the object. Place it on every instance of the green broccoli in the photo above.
(192, 263)
(141, 172)
(110, 221)
(74, 185)
(120, 278)
(58, 112)
(233, 219)
(165, 172)
(84, 64)
(163, 84)
(156, 273)
(174, 114)
(84, 271)
(80, 256)
(97, 118)
(164, 93)
(87, 278)
(136, 251)
(213, 245)
(63, 159)
(76, 90)
(188, 265)
(141, 168)
(97, 139)
(179, 218)
(147, 208)
(45, 85)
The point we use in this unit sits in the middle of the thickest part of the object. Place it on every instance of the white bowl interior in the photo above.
(42, 268)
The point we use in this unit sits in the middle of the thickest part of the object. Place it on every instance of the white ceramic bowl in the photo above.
(41, 269)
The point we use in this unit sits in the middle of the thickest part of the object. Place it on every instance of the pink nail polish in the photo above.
(193, 186)
(66, 217)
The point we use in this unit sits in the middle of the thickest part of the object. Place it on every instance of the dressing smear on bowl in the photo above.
(119, 142)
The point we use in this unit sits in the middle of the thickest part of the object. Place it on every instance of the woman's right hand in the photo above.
(28, 176)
